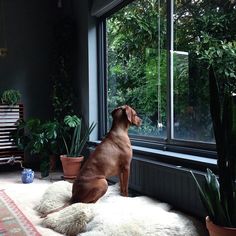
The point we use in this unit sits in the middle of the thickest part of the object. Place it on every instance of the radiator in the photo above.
(167, 183)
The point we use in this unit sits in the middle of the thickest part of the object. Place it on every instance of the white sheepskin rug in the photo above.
(114, 215)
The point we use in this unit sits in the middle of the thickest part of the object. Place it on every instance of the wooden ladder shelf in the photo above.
(9, 115)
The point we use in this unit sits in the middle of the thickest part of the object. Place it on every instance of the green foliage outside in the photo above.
(133, 60)
(137, 62)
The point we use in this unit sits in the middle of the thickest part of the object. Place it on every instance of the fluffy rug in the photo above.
(12, 220)
(114, 215)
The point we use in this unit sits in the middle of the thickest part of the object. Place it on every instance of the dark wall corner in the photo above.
(29, 41)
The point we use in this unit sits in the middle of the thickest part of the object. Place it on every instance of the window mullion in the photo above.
(102, 74)
(170, 49)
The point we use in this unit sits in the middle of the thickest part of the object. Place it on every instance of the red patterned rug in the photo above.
(12, 221)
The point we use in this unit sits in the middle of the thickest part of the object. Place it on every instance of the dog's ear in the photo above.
(128, 111)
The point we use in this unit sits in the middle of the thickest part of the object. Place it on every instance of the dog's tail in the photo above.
(56, 210)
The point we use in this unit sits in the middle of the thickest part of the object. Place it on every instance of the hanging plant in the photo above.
(62, 68)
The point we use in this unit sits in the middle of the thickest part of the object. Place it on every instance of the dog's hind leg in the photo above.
(121, 177)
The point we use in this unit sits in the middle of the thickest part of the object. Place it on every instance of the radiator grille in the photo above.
(167, 183)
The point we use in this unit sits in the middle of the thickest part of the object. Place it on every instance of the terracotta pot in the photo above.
(71, 166)
(216, 230)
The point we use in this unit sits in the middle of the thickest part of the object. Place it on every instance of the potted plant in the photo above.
(10, 105)
(27, 175)
(38, 137)
(10, 97)
(218, 193)
(74, 143)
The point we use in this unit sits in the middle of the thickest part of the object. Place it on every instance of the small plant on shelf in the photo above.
(11, 97)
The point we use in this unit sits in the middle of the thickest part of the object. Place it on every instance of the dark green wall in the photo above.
(29, 37)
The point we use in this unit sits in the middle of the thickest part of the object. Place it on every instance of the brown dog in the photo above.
(111, 157)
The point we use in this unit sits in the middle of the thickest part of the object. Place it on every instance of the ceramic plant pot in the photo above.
(71, 166)
(27, 176)
(216, 230)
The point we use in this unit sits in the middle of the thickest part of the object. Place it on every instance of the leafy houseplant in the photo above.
(10, 97)
(74, 143)
(38, 137)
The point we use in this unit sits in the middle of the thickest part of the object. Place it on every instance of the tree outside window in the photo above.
(171, 96)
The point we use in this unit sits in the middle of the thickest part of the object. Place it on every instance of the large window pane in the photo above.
(142, 70)
(137, 63)
(192, 120)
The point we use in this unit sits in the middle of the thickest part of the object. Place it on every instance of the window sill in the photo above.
(169, 157)
(180, 156)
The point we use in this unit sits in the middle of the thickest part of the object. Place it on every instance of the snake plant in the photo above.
(76, 142)
(218, 193)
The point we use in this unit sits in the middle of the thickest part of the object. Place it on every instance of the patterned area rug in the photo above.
(12, 221)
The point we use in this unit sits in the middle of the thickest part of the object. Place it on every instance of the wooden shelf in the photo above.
(9, 115)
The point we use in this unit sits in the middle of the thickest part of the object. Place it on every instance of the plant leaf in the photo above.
(72, 121)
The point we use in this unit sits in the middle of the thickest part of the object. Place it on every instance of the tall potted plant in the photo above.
(74, 143)
(218, 193)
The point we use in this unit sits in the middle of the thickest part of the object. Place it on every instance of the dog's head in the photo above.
(129, 112)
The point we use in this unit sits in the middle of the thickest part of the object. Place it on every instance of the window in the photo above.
(151, 62)
(137, 64)
(191, 112)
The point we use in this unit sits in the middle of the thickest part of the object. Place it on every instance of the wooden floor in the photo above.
(14, 175)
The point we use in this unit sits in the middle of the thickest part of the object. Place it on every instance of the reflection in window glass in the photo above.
(137, 63)
(141, 72)
(192, 120)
